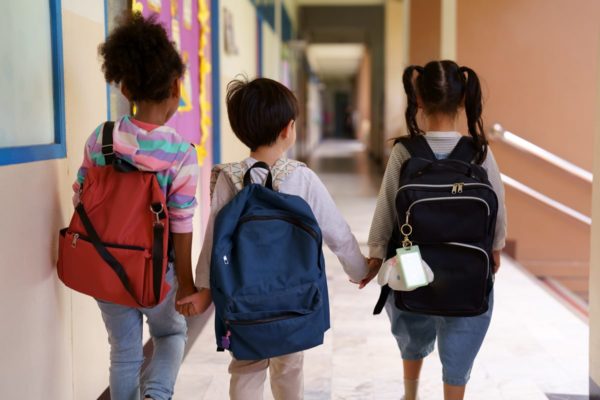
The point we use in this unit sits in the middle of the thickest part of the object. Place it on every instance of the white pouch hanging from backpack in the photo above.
(406, 271)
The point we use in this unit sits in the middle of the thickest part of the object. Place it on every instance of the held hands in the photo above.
(373, 265)
(191, 302)
(185, 300)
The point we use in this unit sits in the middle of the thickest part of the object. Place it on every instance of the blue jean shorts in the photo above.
(459, 338)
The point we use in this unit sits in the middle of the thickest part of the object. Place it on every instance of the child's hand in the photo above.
(374, 264)
(496, 257)
(184, 304)
(193, 304)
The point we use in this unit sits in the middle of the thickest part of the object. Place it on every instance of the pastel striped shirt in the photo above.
(160, 150)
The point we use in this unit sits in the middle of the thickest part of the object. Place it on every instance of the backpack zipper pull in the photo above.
(225, 260)
(74, 241)
(460, 187)
(225, 341)
(454, 188)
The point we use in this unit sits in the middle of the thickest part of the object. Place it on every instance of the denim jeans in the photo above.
(168, 330)
(459, 338)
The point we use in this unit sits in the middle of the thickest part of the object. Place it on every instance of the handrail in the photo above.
(516, 141)
(545, 199)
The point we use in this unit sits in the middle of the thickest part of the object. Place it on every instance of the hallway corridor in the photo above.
(536, 348)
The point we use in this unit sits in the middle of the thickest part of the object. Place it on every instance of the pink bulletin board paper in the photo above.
(171, 14)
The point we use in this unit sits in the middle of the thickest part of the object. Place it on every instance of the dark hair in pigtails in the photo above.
(442, 87)
(473, 109)
(411, 95)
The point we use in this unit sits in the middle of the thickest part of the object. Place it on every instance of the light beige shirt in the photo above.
(301, 182)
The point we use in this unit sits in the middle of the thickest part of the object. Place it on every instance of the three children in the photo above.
(262, 114)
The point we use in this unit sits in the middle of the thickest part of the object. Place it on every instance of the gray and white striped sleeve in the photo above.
(385, 210)
(495, 179)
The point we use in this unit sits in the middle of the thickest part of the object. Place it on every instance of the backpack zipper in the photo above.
(447, 198)
(291, 220)
(469, 246)
(455, 187)
(262, 320)
(78, 236)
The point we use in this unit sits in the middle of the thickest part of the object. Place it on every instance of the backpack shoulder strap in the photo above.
(107, 142)
(234, 172)
(282, 169)
(417, 146)
(464, 150)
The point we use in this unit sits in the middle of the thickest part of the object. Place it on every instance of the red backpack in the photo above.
(116, 246)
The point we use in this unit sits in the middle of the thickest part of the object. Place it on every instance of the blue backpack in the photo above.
(267, 274)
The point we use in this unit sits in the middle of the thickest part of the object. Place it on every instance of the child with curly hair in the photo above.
(139, 57)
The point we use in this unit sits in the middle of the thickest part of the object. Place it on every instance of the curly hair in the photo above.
(139, 55)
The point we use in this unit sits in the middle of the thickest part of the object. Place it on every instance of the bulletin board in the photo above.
(187, 23)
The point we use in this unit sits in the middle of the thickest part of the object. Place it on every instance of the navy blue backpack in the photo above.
(267, 274)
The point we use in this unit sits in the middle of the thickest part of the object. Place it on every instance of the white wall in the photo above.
(232, 65)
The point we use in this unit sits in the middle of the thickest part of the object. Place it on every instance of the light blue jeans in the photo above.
(459, 338)
(168, 330)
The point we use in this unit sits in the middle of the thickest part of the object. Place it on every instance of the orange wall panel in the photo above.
(538, 62)
(425, 31)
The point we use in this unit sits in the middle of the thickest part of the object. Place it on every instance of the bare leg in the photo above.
(412, 370)
(452, 392)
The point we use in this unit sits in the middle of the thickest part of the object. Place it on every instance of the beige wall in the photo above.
(232, 65)
(271, 53)
(363, 99)
(53, 338)
(396, 59)
(594, 283)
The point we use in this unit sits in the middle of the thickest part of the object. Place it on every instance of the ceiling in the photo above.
(335, 60)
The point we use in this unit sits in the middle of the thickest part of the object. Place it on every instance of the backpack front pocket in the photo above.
(294, 316)
(81, 268)
(460, 286)
(443, 219)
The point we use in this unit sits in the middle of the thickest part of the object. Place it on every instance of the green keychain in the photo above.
(410, 263)
(410, 266)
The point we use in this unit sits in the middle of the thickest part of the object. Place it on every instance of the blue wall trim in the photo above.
(216, 86)
(267, 10)
(259, 45)
(286, 24)
(23, 154)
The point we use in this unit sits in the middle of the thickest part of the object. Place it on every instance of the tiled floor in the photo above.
(534, 346)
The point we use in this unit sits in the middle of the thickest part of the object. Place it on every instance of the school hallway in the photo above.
(536, 348)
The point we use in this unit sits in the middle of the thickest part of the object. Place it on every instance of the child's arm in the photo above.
(384, 217)
(496, 180)
(201, 299)
(181, 202)
(182, 244)
(336, 232)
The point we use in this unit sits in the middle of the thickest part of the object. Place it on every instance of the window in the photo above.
(32, 121)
